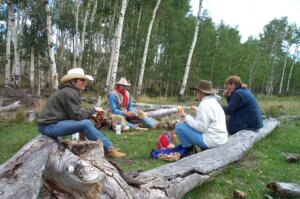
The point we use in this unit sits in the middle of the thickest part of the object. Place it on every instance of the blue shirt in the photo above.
(243, 111)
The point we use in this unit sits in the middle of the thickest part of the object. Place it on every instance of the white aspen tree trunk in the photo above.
(31, 71)
(270, 77)
(109, 71)
(188, 63)
(43, 83)
(54, 78)
(22, 17)
(140, 82)
(291, 71)
(252, 72)
(17, 67)
(112, 52)
(76, 36)
(38, 93)
(82, 39)
(118, 38)
(94, 12)
(283, 70)
(8, 42)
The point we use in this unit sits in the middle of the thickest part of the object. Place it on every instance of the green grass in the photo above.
(264, 163)
(13, 136)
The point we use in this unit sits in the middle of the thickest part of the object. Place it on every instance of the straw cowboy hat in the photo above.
(123, 81)
(75, 73)
(205, 87)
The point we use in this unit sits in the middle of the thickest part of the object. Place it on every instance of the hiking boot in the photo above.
(113, 153)
(190, 150)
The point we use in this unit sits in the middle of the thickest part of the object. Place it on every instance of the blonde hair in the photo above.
(236, 80)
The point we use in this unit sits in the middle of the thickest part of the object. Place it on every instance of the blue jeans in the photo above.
(69, 127)
(189, 136)
(148, 121)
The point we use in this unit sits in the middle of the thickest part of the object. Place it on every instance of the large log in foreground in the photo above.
(79, 170)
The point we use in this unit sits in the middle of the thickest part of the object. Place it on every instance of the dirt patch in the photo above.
(248, 162)
(10, 95)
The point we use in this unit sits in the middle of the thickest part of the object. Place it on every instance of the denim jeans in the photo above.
(148, 121)
(69, 127)
(189, 136)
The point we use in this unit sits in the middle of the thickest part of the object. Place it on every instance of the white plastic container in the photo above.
(75, 136)
(118, 128)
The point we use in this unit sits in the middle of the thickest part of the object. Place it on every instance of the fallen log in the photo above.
(11, 107)
(292, 157)
(161, 112)
(79, 170)
(21, 175)
(285, 189)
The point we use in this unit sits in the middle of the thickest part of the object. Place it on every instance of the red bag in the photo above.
(165, 140)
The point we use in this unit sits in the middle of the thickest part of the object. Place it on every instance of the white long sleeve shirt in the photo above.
(211, 121)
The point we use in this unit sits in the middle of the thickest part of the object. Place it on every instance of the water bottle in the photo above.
(118, 128)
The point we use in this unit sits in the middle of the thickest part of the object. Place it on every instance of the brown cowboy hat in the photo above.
(205, 87)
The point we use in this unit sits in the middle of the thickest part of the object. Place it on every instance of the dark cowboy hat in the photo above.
(205, 87)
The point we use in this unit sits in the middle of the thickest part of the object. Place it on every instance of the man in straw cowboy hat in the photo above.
(120, 103)
(63, 114)
(208, 128)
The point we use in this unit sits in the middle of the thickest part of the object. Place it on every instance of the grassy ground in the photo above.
(263, 164)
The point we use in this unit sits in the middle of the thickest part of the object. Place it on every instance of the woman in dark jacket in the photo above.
(63, 114)
(243, 110)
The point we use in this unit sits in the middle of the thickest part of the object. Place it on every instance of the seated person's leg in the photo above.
(189, 136)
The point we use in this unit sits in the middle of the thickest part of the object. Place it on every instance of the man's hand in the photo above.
(129, 114)
(180, 111)
(194, 108)
(99, 109)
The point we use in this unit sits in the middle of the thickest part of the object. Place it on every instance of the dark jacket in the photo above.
(64, 104)
(243, 111)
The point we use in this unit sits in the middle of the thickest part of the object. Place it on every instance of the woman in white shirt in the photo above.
(208, 128)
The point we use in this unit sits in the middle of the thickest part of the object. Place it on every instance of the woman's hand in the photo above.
(226, 93)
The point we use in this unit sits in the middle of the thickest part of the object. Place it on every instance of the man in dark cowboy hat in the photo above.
(208, 128)
(64, 115)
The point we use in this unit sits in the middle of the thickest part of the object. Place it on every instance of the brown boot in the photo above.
(113, 153)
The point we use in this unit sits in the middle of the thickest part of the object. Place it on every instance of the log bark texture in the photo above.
(79, 170)
(11, 107)
(291, 190)
(21, 176)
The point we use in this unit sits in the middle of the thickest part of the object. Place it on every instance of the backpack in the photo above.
(164, 140)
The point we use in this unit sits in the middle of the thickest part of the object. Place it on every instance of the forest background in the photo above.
(148, 42)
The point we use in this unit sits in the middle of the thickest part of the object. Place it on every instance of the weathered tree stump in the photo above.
(79, 170)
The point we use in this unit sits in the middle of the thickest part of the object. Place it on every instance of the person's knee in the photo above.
(178, 127)
(87, 123)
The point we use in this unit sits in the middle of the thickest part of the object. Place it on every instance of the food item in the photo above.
(180, 110)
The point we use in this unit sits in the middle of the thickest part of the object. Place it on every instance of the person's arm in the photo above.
(113, 103)
(130, 106)
(234, 103)
(73, 108)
